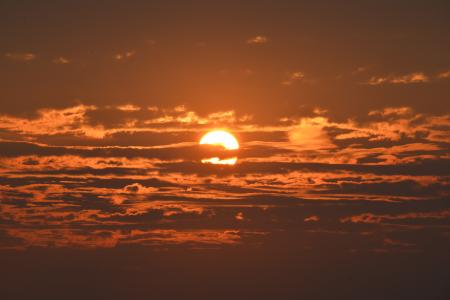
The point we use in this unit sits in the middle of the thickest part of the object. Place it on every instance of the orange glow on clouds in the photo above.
(218, 161)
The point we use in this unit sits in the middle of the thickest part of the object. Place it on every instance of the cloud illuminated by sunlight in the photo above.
(218, 161)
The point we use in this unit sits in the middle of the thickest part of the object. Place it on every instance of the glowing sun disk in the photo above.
(220, 137)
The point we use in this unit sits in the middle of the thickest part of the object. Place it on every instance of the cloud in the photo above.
(392, 111)
(239, 216)
(391, 242)
(390, 136)
(53, 121)
(258, 40)
(124, 55)
(182, 116)
(311, 219)
(21, 56)
(444, 75)
(179, 108)
(396, 123)
(360, 70)
(106, 238)
(114, 122)
(293, 77)
(417, 77)
(61, 60)
(310, 134)
(128, 107)
(138, 188)
(377, 219)
(320, 111)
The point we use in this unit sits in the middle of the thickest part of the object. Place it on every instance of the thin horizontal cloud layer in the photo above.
(417, 77)
(410, 78)
(20, 56)
(135, 175)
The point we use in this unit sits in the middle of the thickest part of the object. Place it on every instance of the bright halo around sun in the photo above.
(220, 138)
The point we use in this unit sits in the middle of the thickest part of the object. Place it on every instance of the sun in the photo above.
(220, 138)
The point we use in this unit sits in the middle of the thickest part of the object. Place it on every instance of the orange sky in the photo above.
(341, 112)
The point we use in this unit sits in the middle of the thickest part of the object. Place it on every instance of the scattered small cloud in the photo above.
(320, 111)
(180, 108)
(258, 40)
(444, 75)
(312, 219)
(180, 114)
(128, 107)
(392, 111)
(396, 243)
(377, 219)
(377, 80)
(417, 77)
(21, 56)
(61, 60)
(152, 108)
(294, 77)
(137, 188)
(410, 78)
(360, 70)
(239, 216)
(124, 55)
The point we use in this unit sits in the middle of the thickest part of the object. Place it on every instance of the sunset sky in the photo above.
(337, 185)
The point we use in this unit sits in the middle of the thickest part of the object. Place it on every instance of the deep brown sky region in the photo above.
(339, 189)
